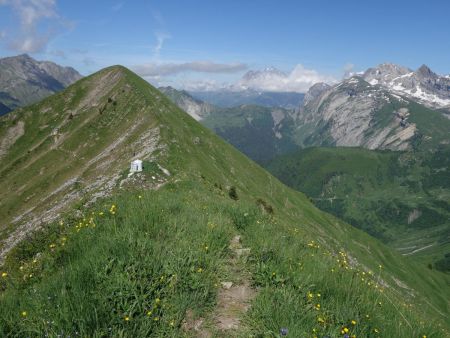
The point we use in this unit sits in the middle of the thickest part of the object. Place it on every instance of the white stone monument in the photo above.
(136, 166)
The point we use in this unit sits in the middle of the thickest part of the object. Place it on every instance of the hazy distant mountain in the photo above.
(422, 85)
(24, 81)
(259, 132)
(4, 109)
(232, 98)
(194, 107)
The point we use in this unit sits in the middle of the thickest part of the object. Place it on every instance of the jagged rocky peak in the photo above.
(422, 85)
(425, 72)
(385, 72)
(24, 80)
(314, 92)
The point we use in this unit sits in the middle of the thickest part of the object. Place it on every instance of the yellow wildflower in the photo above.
(345, 330)
(353, 322)
(199, 270)
(126, 318)
(4, 274)
(149, 313)
(24, 313)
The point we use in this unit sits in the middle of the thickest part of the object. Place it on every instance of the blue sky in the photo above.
(188, 42)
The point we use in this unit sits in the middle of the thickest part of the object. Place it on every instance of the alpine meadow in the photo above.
(223, 170)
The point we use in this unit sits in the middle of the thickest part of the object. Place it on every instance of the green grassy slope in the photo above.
(70, 140)
(138, 268)
(399, 197)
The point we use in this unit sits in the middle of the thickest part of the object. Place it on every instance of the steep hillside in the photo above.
(24, 81)
(400, 197)
(4, 109)
(259, 132)
(357, 114)
(231, 98)
(71, 146)
(218, 248)
(194, 107)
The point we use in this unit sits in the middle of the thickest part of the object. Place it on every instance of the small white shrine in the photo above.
(136, 166)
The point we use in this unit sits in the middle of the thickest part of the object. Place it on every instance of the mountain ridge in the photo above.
(158, 247)
(23, 80)
(422, 85)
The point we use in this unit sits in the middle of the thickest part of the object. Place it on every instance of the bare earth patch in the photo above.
(12, 135)
(233, 301)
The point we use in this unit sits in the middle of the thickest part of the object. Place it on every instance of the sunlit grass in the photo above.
(134, 266)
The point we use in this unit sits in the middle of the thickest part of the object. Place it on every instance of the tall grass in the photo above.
(134, 266)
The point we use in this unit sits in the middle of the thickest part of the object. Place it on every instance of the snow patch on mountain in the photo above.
(422, 85)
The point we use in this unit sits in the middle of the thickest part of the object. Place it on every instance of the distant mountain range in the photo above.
(259, 131)
(422, 85)
(24, 81)
(231, 98)
(352, 113)
(198, 109)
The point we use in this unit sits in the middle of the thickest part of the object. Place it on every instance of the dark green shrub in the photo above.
(233, 193)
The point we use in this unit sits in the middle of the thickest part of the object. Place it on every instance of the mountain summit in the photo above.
(23, 80)
(422, 85)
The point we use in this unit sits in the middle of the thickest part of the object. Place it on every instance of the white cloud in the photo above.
(29, 37)
(349, 71)
(161, 37)
(300, 79)
(164, 69)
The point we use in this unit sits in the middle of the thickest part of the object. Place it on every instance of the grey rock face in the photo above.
(422, 85)
(315, 91)
(24, 80)
(351, 114)
(196, 108)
